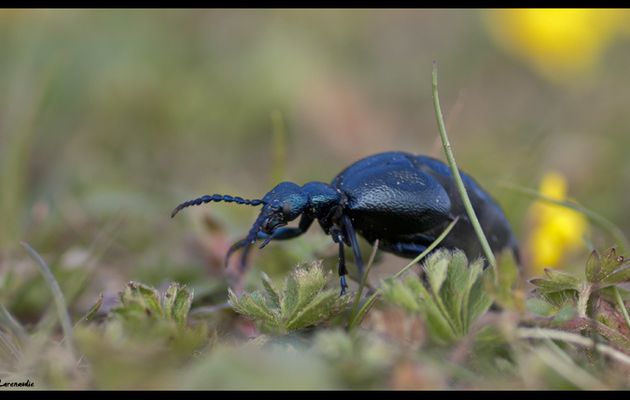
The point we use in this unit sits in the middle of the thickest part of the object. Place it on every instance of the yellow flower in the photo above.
(561, 44)
(556, 231)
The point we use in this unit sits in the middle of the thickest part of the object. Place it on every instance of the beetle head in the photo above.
(283, 204)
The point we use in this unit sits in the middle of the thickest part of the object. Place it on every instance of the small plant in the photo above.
(303, 301)
(450, 300)
(146, 314)
(139, 301)
(602, 275)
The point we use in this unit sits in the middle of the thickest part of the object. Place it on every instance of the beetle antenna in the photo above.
(217, 198)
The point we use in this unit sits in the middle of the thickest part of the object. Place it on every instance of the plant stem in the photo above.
(370, 301)
(538, 333)
(60, 303)
(583, 297)
(458, 179)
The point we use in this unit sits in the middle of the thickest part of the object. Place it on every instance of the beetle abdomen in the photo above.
(401, 197)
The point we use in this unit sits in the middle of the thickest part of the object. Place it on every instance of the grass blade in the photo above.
(60, 302)
(458, 179)
(357, 298)
(9, 320)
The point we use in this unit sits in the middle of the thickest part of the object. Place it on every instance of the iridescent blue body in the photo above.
(403, 200)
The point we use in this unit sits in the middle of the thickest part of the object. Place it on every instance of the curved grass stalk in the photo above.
(60, 302)
(458, 179)
(357, 298)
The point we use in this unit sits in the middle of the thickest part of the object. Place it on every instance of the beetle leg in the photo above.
(342, 270)
(354, 244)
(235, 247)
(338, 238)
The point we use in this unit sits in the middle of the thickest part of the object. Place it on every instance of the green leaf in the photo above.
(479, 303)
(566, 313)
(619, 276)
(457, 288)
(252, 305)
(274, 297)
(137, 294)
(320, 308)
(453, 300)
(539, 306)
(611, 261)
(593, 267)
(302, 301)
(94, 309)
(177, 302)
(560, 298)
(562, 278)
(290, 295)
(436, 268)
(401, 294)
(310, 281)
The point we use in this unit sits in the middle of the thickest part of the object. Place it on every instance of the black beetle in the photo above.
(402, 199)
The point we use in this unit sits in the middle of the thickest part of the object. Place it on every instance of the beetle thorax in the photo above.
(323, 198)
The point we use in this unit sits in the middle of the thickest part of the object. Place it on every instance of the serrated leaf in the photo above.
(302, 302)
(479, 302)
(449, 311)
(272, 292)
(177, 302)
(548, 285)
(560, 298)
(436, 268)
(593, 267)
(169, 299)
(457, 287)
(562, 278)
(610, 262)
(290, 295)
(251, 305)
(147, 297)
(318, 309)
(401, 294)
(311, 281)
(472, 304)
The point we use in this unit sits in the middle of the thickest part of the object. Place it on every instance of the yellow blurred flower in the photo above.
(556, 231)
(561, 44)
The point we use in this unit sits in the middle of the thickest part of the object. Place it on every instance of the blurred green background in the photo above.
(108, 119)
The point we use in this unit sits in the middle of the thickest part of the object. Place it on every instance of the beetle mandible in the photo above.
(404, 200)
